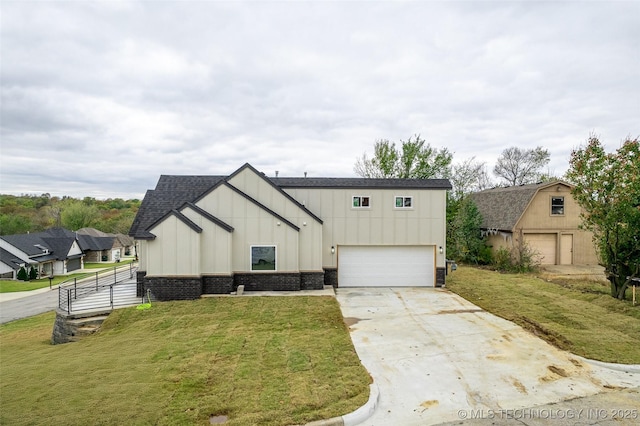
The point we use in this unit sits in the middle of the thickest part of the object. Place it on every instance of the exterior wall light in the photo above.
(440, 249)
(333, 250)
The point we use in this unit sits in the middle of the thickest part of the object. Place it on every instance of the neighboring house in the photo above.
(95, 248)
(55, 251)
(209, 234)
(9, 265)
(100, 246)
(544, 214)
(126, 245)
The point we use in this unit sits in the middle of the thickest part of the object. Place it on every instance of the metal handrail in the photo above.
(74, 290)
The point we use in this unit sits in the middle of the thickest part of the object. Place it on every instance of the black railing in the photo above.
(106, 289)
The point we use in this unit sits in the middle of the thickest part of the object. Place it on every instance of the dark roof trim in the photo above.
(276, 187)
(362, 183)
(209, 191)
(180, 217)
(208, 216)
(262, 206)
(145, 235)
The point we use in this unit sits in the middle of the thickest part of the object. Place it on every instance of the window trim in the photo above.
(275, 257)
(552, 205)
(361, 197)
(404, 199)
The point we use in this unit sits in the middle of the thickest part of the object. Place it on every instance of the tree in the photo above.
(607, 187)
(14, 224)
(465, 242)
(517, 166)
(76, 214)
(22, 274)
(415, 159)
(33, 273)
(469, 176)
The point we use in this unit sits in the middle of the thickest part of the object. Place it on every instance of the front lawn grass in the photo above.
(10, 286)
(575, 315)
(102, 265)
(256, 360)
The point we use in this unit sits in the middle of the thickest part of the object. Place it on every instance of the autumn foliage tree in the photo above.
(607, 187)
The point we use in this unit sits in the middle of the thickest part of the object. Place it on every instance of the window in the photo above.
(263, 258)
(360, 202)
(557, 205)
(404, 202)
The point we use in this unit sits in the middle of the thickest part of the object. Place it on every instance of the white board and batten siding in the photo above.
(386, 266)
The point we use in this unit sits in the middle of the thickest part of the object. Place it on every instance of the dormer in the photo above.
(44, 249)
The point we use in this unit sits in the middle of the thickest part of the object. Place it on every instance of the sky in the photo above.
(100, 98)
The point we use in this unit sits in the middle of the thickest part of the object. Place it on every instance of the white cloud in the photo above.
(103, 97)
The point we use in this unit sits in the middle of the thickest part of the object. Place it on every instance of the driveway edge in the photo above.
(625, 368)
(364, 412)
(356, 417)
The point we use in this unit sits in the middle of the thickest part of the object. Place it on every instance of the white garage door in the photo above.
(544, 245)
(386, 266)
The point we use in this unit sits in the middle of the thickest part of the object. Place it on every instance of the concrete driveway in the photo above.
(438, 358)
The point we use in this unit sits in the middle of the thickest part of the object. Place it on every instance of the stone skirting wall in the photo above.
(72, 327)
(186, 288)
(140, 282)
(268, 281)
(311, 280)
(331, 277)
(174, 288)
(440, 276)
(217, 284)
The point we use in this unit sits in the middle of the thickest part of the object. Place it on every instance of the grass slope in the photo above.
(575, 315)
(257, 360)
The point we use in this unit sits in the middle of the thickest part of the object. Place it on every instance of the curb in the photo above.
(356, 417)
(625, 368)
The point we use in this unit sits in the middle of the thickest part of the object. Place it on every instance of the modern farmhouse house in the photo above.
(544, 215)
(55, 251)
(209, 234)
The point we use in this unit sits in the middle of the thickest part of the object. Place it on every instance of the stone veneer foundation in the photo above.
(187, 288)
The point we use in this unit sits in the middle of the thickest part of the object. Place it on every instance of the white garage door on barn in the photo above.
(544, 245)
(386, 266)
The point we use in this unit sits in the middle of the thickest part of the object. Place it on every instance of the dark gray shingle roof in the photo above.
(89, 242)
(57, 240)
(319, 182)
(172, 192)
(10, 260)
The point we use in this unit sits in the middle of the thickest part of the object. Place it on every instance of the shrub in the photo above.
(22, 274)
(502, 260)
(521, 258)
(33, 273)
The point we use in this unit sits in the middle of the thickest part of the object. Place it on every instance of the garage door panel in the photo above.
(73, 264)
(396, 266)
(544, 245)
